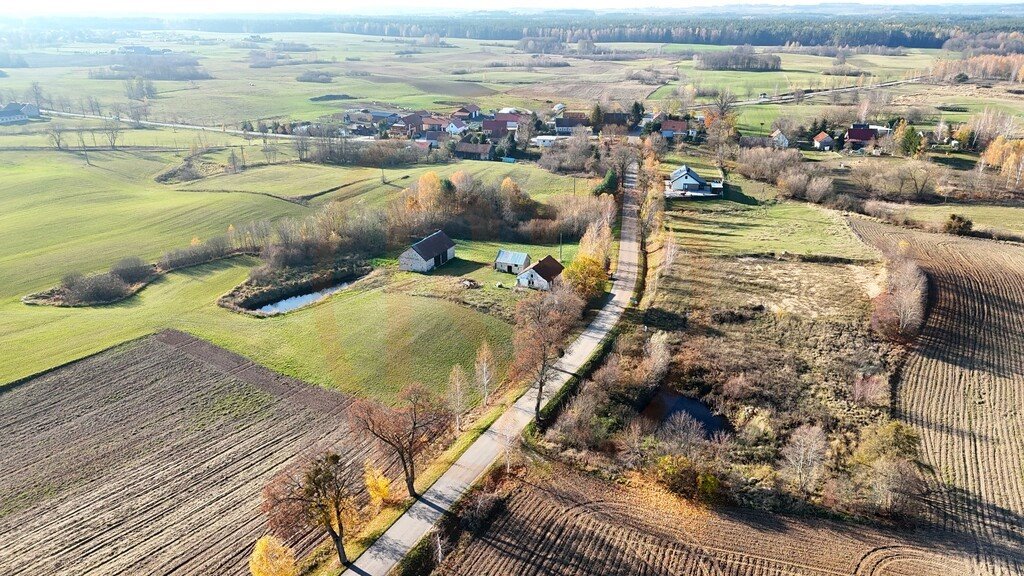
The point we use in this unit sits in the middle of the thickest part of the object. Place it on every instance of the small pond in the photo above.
(296, 302)
(667, 403)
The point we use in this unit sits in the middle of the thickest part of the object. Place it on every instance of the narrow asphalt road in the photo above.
(393, 545)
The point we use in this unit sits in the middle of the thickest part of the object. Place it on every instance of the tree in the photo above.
(457, 388)
(112, 130)
(56, 135)
(958, 224)
(620, 159)
(270, 557)
(587, 277)
(484, 370)
(724, 103)
(407, 430)
(378, 486)
(543, 322)
(596, 116)
(803, 457)
(636, 113)
(316, 495)
(36, 91)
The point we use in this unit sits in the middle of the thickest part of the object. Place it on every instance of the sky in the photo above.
(140, 7)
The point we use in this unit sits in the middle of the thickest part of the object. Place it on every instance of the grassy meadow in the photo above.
(59, 214)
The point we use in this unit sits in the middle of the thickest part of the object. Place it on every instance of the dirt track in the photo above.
(963, 388)
(568, 524)
(149, 458)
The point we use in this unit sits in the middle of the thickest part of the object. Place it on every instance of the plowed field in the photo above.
(962, 387)
(568, 524)
(149, 458)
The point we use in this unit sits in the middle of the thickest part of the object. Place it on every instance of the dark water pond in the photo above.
(296, 302)
(666, 403)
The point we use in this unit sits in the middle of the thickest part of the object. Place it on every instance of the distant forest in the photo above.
(924, 30)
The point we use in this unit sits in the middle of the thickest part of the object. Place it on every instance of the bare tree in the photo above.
(484, 371)
(457, 389)
(56, 134)
(724, 103)
(543, 322)
(37, 95)
(112, 130)
(407, 430)
(317, 495)
(803, 458)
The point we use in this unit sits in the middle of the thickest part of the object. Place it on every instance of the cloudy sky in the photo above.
(135, 7)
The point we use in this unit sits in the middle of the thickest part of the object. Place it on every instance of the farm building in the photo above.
(427, 254)
(511, 262)
(860, 135)
(566, 125)
(471, 151)
(467, 112)
(672, 128)
(541, 275)
(779, 139)
(684, 182)
(823, 141)
(17, 112)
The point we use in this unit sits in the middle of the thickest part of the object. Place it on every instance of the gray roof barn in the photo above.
(433, 245)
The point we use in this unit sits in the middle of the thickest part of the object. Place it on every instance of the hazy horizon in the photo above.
(327, 7)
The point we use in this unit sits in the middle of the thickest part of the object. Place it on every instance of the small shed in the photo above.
(541, 275)
(511, 262)
(427, 254)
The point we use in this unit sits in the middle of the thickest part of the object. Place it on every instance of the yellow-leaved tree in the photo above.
(378, 486)
(271, 557)
(587, 277)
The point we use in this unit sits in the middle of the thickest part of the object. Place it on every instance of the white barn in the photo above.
(427, 254)
(511, 262)
(541, 275)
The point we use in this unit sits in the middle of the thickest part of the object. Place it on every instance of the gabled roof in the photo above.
(822, 136)
(436, 121)
(436, 136)
(434, 245)
(620, 118)
(470, 148)
(570, 122)
(509, 117)
(861, 134)
(510, 257)
(580, 115)
(458, 123)
(684, 172)
(675, 125)
(547, 268)
(778, 133)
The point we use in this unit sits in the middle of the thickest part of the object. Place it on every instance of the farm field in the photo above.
(373, 71)
(58, 215)
(150, 458)
(560, 522)
(985, 217)
(961, 387)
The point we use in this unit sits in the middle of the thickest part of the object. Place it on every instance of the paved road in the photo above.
(393, 545)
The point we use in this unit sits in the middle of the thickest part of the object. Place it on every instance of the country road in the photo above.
(381, 557)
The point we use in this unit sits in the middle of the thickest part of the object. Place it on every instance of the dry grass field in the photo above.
(561, 522)
(962, 387)
(149, 458)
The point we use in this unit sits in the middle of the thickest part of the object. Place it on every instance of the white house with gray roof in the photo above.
(684, 182)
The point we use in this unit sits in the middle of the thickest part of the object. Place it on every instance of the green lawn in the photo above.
(59, 214)
(985, 217)
(728, 228)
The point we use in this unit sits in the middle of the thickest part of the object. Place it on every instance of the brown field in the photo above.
(562, 522)
(962, 387)
(149, 458)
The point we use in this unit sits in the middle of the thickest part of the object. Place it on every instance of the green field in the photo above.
(985, 217)
(59, 214)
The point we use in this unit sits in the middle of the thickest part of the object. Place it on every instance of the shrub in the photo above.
(197, 253)
(132, 270)
(959, 225)
(678, 474)
(94, 289)
(766, 164)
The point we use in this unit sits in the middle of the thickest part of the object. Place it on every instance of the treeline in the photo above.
(909, 30)
(153, 67)
(740, 58)
(985, 67)
(842, 51)
(8, 60)
(987, 43)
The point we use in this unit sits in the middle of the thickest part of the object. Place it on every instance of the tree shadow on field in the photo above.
(457, 267)
(976, 526)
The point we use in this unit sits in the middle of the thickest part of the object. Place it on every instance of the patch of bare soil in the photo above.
(962, 387)
(149, 458)
(564, 523)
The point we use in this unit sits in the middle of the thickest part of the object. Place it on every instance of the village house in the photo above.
(541, 275)
(435, 138)
(427, 254)
(672, 128)
(434, 123)
(779, 140)
(472, 151)
(684, 182)
(860, 135)
(467, 113)
(15, 112)
(496, 129)
(511, 262)
(511, 120)
(565, 126)
(823, 142)
(616, 119)
(456, 127)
